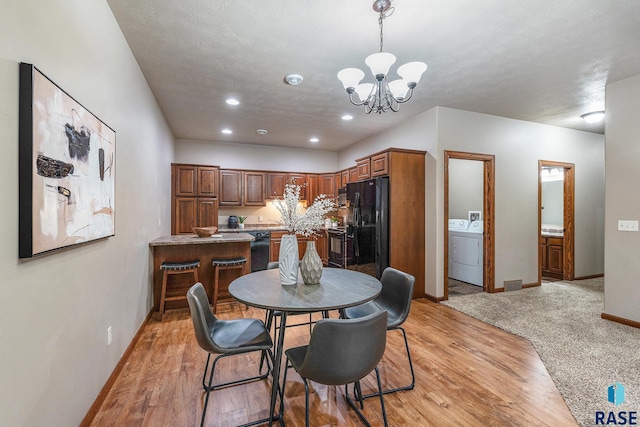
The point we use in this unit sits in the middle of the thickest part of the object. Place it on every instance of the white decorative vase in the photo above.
(311, 265)
(240, 225)
(288, 260)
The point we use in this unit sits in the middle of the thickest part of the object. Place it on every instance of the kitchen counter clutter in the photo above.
(188, 247)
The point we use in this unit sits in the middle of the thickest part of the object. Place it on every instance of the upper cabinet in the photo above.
(353, 175)
(255, 188)
(207, 184)
(194, 202)
(230, 187)
(275, 184)
(312, 188)
(327, 185)
(344, 178)
(299, 179)
(364, 168)
(380, 164)
(184, 180)
(242, 188)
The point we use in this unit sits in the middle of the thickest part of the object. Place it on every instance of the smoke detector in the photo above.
(293, 79)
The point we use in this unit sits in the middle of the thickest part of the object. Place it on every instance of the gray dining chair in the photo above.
(340, 352)
(226, 338)
(395, 298)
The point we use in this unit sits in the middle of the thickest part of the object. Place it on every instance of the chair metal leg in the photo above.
(384, 412)
(412, 384)
(306, 402)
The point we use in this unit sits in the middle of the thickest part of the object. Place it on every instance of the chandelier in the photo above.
(382, 95)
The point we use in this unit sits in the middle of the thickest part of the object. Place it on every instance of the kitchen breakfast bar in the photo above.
(189, 247)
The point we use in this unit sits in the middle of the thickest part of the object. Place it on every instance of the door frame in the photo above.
(489, 202)
(569, 196)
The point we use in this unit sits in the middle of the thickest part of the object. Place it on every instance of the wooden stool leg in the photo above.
(195, 275)
(216, 271)
(163, 293)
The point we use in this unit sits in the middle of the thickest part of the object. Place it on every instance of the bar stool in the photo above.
(224, 264)
(176, 268)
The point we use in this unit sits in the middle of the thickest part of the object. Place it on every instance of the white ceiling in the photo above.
(544, 61)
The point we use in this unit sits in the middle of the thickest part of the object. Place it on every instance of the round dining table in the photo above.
(338, 288)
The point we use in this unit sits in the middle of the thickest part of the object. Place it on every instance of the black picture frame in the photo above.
(66, 169)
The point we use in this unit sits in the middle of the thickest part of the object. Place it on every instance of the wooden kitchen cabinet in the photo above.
(312, 188)
(207, 181)
(353, 175)
(254, 189)
(230, 187)
(337, 182)
(379, 165)
(344, 178)
(322, 247)
(552, 256)
(184, 180)
(363, 166)
(275, 184)
(327, 185)
(299, 179)
(193, 201)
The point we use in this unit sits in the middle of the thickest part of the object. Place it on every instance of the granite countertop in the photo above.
(251, 227)
(192, 239)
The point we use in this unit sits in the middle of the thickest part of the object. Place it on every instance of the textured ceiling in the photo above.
(544, 61)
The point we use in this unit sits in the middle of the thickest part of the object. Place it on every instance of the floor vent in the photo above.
(512, 285)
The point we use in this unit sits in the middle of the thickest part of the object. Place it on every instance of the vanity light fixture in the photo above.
(593, 117)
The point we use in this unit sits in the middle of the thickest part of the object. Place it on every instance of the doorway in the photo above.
(556, 220)
(488, 219)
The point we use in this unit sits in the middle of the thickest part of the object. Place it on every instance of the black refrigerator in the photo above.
(369, 205)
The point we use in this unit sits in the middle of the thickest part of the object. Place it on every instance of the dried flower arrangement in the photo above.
(298, 220)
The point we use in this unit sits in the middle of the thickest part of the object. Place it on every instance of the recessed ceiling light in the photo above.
(293, 79)
(261, 131)
(227, 131)
(314, 140)
(232, 101)
(593, 117)
(347, 117)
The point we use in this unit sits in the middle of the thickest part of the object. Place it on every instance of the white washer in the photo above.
(466, 251)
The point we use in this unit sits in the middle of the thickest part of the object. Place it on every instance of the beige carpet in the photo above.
(583, 353)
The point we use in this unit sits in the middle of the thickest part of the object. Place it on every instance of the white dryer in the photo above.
(466, 251)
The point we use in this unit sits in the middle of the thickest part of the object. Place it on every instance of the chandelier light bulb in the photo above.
(412, 71)
(350, 77)
(399, 89)
(380, 63)
(364, 90)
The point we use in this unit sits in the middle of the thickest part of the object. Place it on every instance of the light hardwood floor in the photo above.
(468, 373)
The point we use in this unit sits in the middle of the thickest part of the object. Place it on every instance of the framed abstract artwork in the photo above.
(66, 169)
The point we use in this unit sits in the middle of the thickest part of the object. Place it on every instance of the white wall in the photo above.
(55, 310)
(622, 249)
(257, 157)
(517, 147)
(466, 187)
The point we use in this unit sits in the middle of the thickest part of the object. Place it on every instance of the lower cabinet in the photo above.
(552, 256)
(322, 245)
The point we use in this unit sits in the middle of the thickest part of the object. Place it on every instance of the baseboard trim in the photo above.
(530, 285)
(93, 411)
(621, 320)
(432, 298)
(593, 276)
